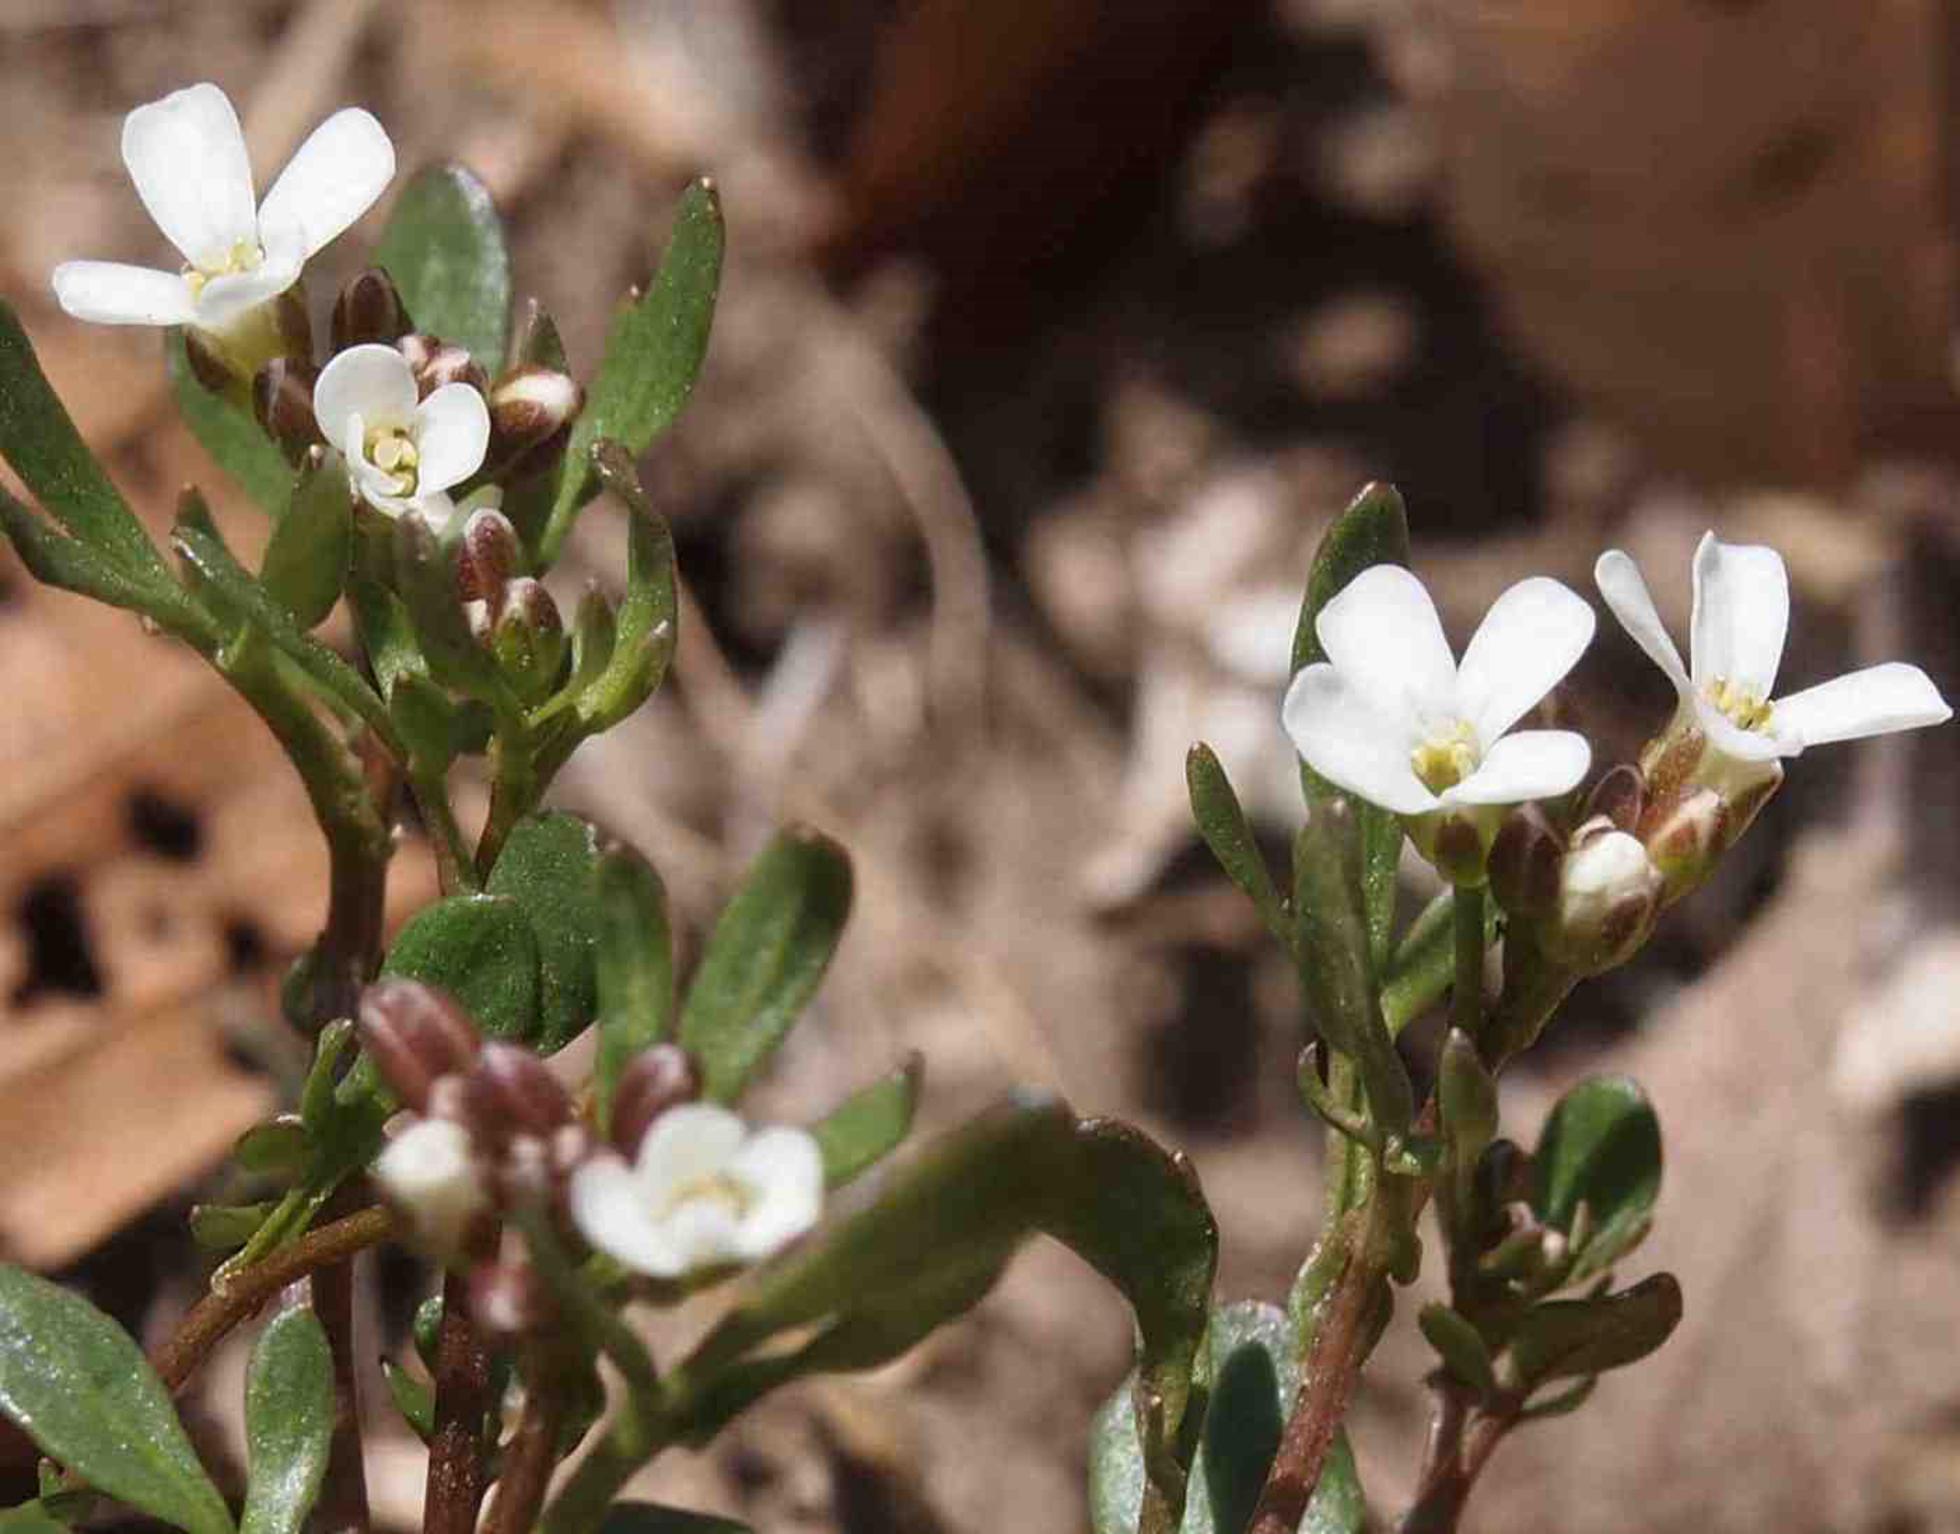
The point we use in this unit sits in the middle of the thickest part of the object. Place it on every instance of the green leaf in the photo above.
(1561, 1402)
(1374, 530)
(40, 441)
(1222, 823)
(239, 596)
(1332, 948)
(1248, 1379)
(548, 869)
(415, 1399)
(444, 248)
(225, 1227)
(647, 623)
(1466, 1097)
(289, 1414)
(229, 434)
(869, 1124)
(1569, 1339)
(482, 951)
(1461, 1347)
(30, 1518)
(74, 1382)
(305, 562)
(1425, 961)
(1601, 1147)
(653, 354)
(61, 560)
(275, 1148)
(765, 959)
(646, 1518)
(635, 968)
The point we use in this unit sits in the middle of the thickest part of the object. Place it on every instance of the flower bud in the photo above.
(508, 1299)
(1524, 863)
(429, 1174)
(531, 409)
(416, 1036)
(282, 400)
(518, 1091)
(489, 554)
(1685, 839)
(654, 1080)
(1620, 796)
(436, 362)
(368, 310)
(528, 638)
(1609, 893)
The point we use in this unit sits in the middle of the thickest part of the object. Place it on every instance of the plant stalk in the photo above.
(458, 1476)
(1467, 994)
(342, 1507)
(528, 1461)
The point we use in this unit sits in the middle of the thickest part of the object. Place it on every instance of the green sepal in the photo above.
(547, 869)
(444, 250)
(229, 433)
(634, 953)
(305, 562)
(1601, 1147)
(482, 950)
(74, 1382)
(765, 959)
(653, 353)
(289, 1417)
(1222, 824)
(869, 1124)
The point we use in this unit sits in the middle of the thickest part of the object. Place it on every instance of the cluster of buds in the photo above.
(676, 1187)
(510, 613)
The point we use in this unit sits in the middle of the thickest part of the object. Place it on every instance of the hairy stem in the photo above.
(245, 1292)
(1467, 995)
(1341, 1337)
(458, 1475)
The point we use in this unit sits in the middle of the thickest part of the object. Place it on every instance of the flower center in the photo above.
(1743, 706)
(392, 450)
(717, 1188)
(1446, 758)
(245, 256)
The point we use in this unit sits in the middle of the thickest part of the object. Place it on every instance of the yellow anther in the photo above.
(1446, 759)
(1744, 707)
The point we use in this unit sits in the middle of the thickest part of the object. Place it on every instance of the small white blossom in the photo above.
(429, 1173)
(1741, 617)
(702, 1191)
(402, 453)
(186, 155)
(1392, 717)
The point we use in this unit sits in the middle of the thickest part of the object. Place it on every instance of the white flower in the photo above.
(1390, 716)
(429, 1173)
(402, 454)
(186, 155)
(1741, 615)
(703, 1191)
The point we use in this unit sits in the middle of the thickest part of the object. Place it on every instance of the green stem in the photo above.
(455, 868)
(513, 794)
(1467, 996)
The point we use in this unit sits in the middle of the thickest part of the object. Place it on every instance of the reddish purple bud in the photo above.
(1620, 796)
(519, 1090)
(282, 400)
(436, 362)
(1525, 861)
(416, 1036)
(654, 1080)
(490, 554)
(369, 310)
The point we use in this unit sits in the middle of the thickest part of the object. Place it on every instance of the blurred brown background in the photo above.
(1054, 332)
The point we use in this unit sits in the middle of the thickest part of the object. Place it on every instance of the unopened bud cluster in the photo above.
(510, 613)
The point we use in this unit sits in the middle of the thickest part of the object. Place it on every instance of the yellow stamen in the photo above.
(393, 451)
(1743, 706)
(245, 256)
(1445, 759)
(718, 1188)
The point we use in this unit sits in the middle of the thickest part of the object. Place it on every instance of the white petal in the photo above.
(430, 1172)
(1382, 634)
(1533, 634)
(702, 1232)
(374, 382)
(611, 1213)
(436, 511)
(334, 177)
(1351, 744)
(452, 433)
(109, 293)
(1621, 584)
(225, 298)
(783, 1169)
(686, 1144)
(1729, 738)
(187, 157)
(1532, 764)
(1875, 701)
(1742, 614)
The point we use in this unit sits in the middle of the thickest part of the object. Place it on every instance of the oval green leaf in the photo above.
(635, 967)
(1601, 1147)
(289, 1413)
(548, 868)
(482, 951)
(868, 1125)
(444, 248)
(305, 562)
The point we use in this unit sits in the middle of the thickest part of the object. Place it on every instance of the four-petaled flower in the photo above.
(1741, 616)
(702, 1192)
(403, 453)
(1391, 717)
(186, 155)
